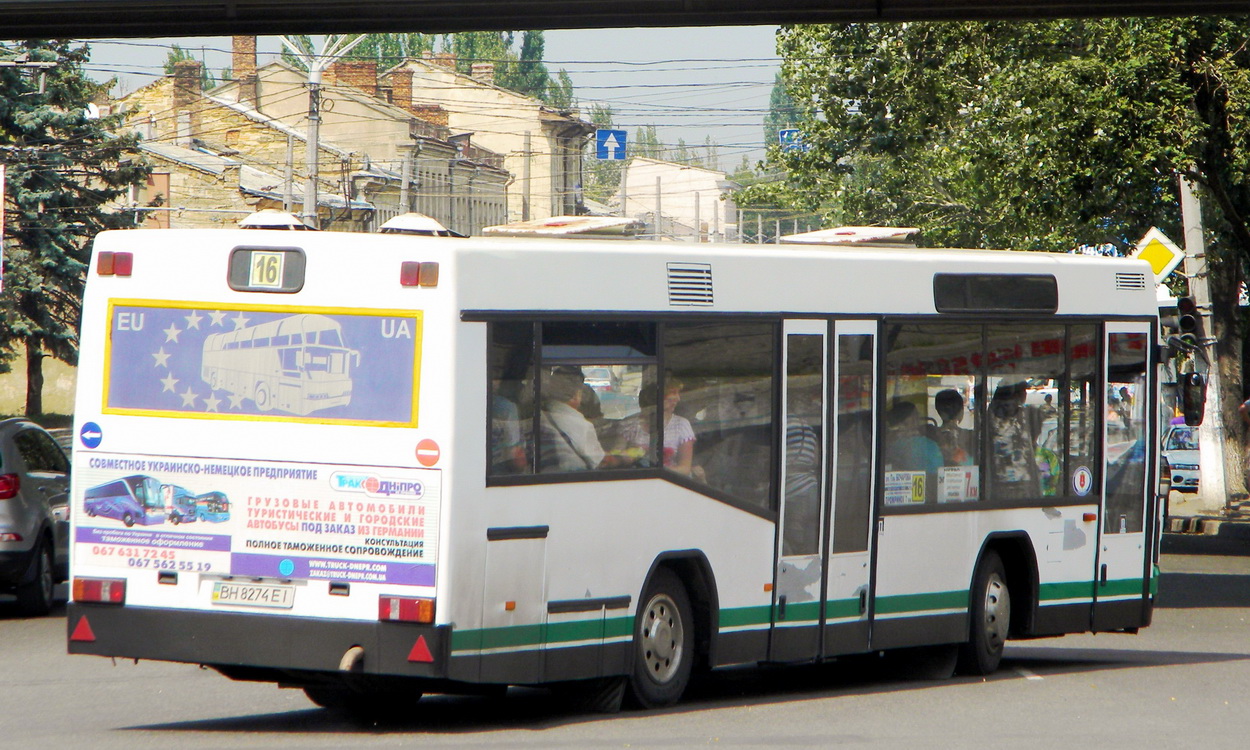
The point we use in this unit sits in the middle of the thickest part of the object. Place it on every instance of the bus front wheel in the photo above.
(128, 519)
(991, 618)
(663, 643)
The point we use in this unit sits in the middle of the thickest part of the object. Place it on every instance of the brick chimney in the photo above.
(484, 72)
(363, 74)
(444, 59)
(186, 95)
(243, 60)
(431, 113)
(401, 87)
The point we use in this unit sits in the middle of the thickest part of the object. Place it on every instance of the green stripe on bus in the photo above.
(1122, 587)
(538, 635)
(740, 616)
(1049, 592)
(910, 603)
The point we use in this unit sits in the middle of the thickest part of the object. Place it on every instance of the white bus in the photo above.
(809, 452)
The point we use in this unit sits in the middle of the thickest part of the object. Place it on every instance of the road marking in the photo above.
(1026, 674)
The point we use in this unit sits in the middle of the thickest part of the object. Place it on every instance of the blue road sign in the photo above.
(610, 145)
(791, 139)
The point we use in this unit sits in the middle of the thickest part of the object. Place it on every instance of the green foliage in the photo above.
(63, 168)
(389, 50)
(178, 54)
(1040, 136)
(783, 113)
(603, 177)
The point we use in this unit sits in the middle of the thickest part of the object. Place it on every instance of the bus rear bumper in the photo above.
(263, 643)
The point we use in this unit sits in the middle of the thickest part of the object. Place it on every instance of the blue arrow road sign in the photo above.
(610, 145)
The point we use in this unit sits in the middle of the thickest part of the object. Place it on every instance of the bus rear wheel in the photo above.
(663, 643)
(990, 618)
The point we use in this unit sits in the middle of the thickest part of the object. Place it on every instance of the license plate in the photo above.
(254, 595)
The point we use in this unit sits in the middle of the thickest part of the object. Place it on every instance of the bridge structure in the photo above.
(29, 19)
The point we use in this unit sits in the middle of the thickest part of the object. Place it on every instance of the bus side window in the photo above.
(511, 402)
(727, 397)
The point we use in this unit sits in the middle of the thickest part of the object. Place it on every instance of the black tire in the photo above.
(990, 618)
(663, 647)
(175, 519)
(128, 519)
(34, 599)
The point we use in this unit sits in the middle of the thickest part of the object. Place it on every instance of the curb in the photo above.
(1206, 526)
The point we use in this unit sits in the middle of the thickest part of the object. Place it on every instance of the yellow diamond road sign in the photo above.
(1160, 252)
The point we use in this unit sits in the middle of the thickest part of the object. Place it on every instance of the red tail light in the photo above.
(100, 590)
(412, 273)
(405, 609)
(114, 264)
(9, 485)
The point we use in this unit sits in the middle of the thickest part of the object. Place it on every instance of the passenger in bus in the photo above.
(802, 488)
(954, 441)
(1013, 465)
(679, 437)
(568, 441)
(507, 447)
(909, 449)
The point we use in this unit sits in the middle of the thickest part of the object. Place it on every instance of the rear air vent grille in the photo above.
(690, 284)
(1130, 281)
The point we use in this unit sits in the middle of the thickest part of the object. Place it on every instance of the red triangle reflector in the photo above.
(82, 631)
(420, 651)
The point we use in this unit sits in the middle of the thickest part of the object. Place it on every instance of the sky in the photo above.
(691, 83)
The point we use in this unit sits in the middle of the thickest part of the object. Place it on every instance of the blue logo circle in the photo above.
(91, 435)
(286, 567)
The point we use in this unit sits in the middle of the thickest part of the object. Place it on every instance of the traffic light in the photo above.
(1189, 319)
(1193, 392)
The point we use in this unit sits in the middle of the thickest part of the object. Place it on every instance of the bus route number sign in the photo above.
(266, 269)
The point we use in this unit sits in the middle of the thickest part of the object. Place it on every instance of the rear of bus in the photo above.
(297, 386)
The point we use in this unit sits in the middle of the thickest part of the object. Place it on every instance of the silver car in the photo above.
(34, 515)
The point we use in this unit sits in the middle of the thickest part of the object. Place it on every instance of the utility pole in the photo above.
(1212, 436)
(333, 47)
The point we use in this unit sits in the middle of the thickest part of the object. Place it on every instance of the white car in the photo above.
(1180, 447)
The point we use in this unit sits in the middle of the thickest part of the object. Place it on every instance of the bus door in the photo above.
(1121, 569)
(853, 420)
(798, 610)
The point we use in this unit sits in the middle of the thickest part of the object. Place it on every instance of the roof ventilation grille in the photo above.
(690, 284)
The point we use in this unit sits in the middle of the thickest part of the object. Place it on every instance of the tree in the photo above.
(178, 54)
(63, 169)
(1039, 136)
(389, 50)
(782, 111)
(603, 175)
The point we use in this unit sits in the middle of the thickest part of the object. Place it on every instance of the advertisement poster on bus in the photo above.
(327, 365)
(259, 519)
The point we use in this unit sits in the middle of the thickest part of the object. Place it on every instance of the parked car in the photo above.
(1180, 448)
(34, 515)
